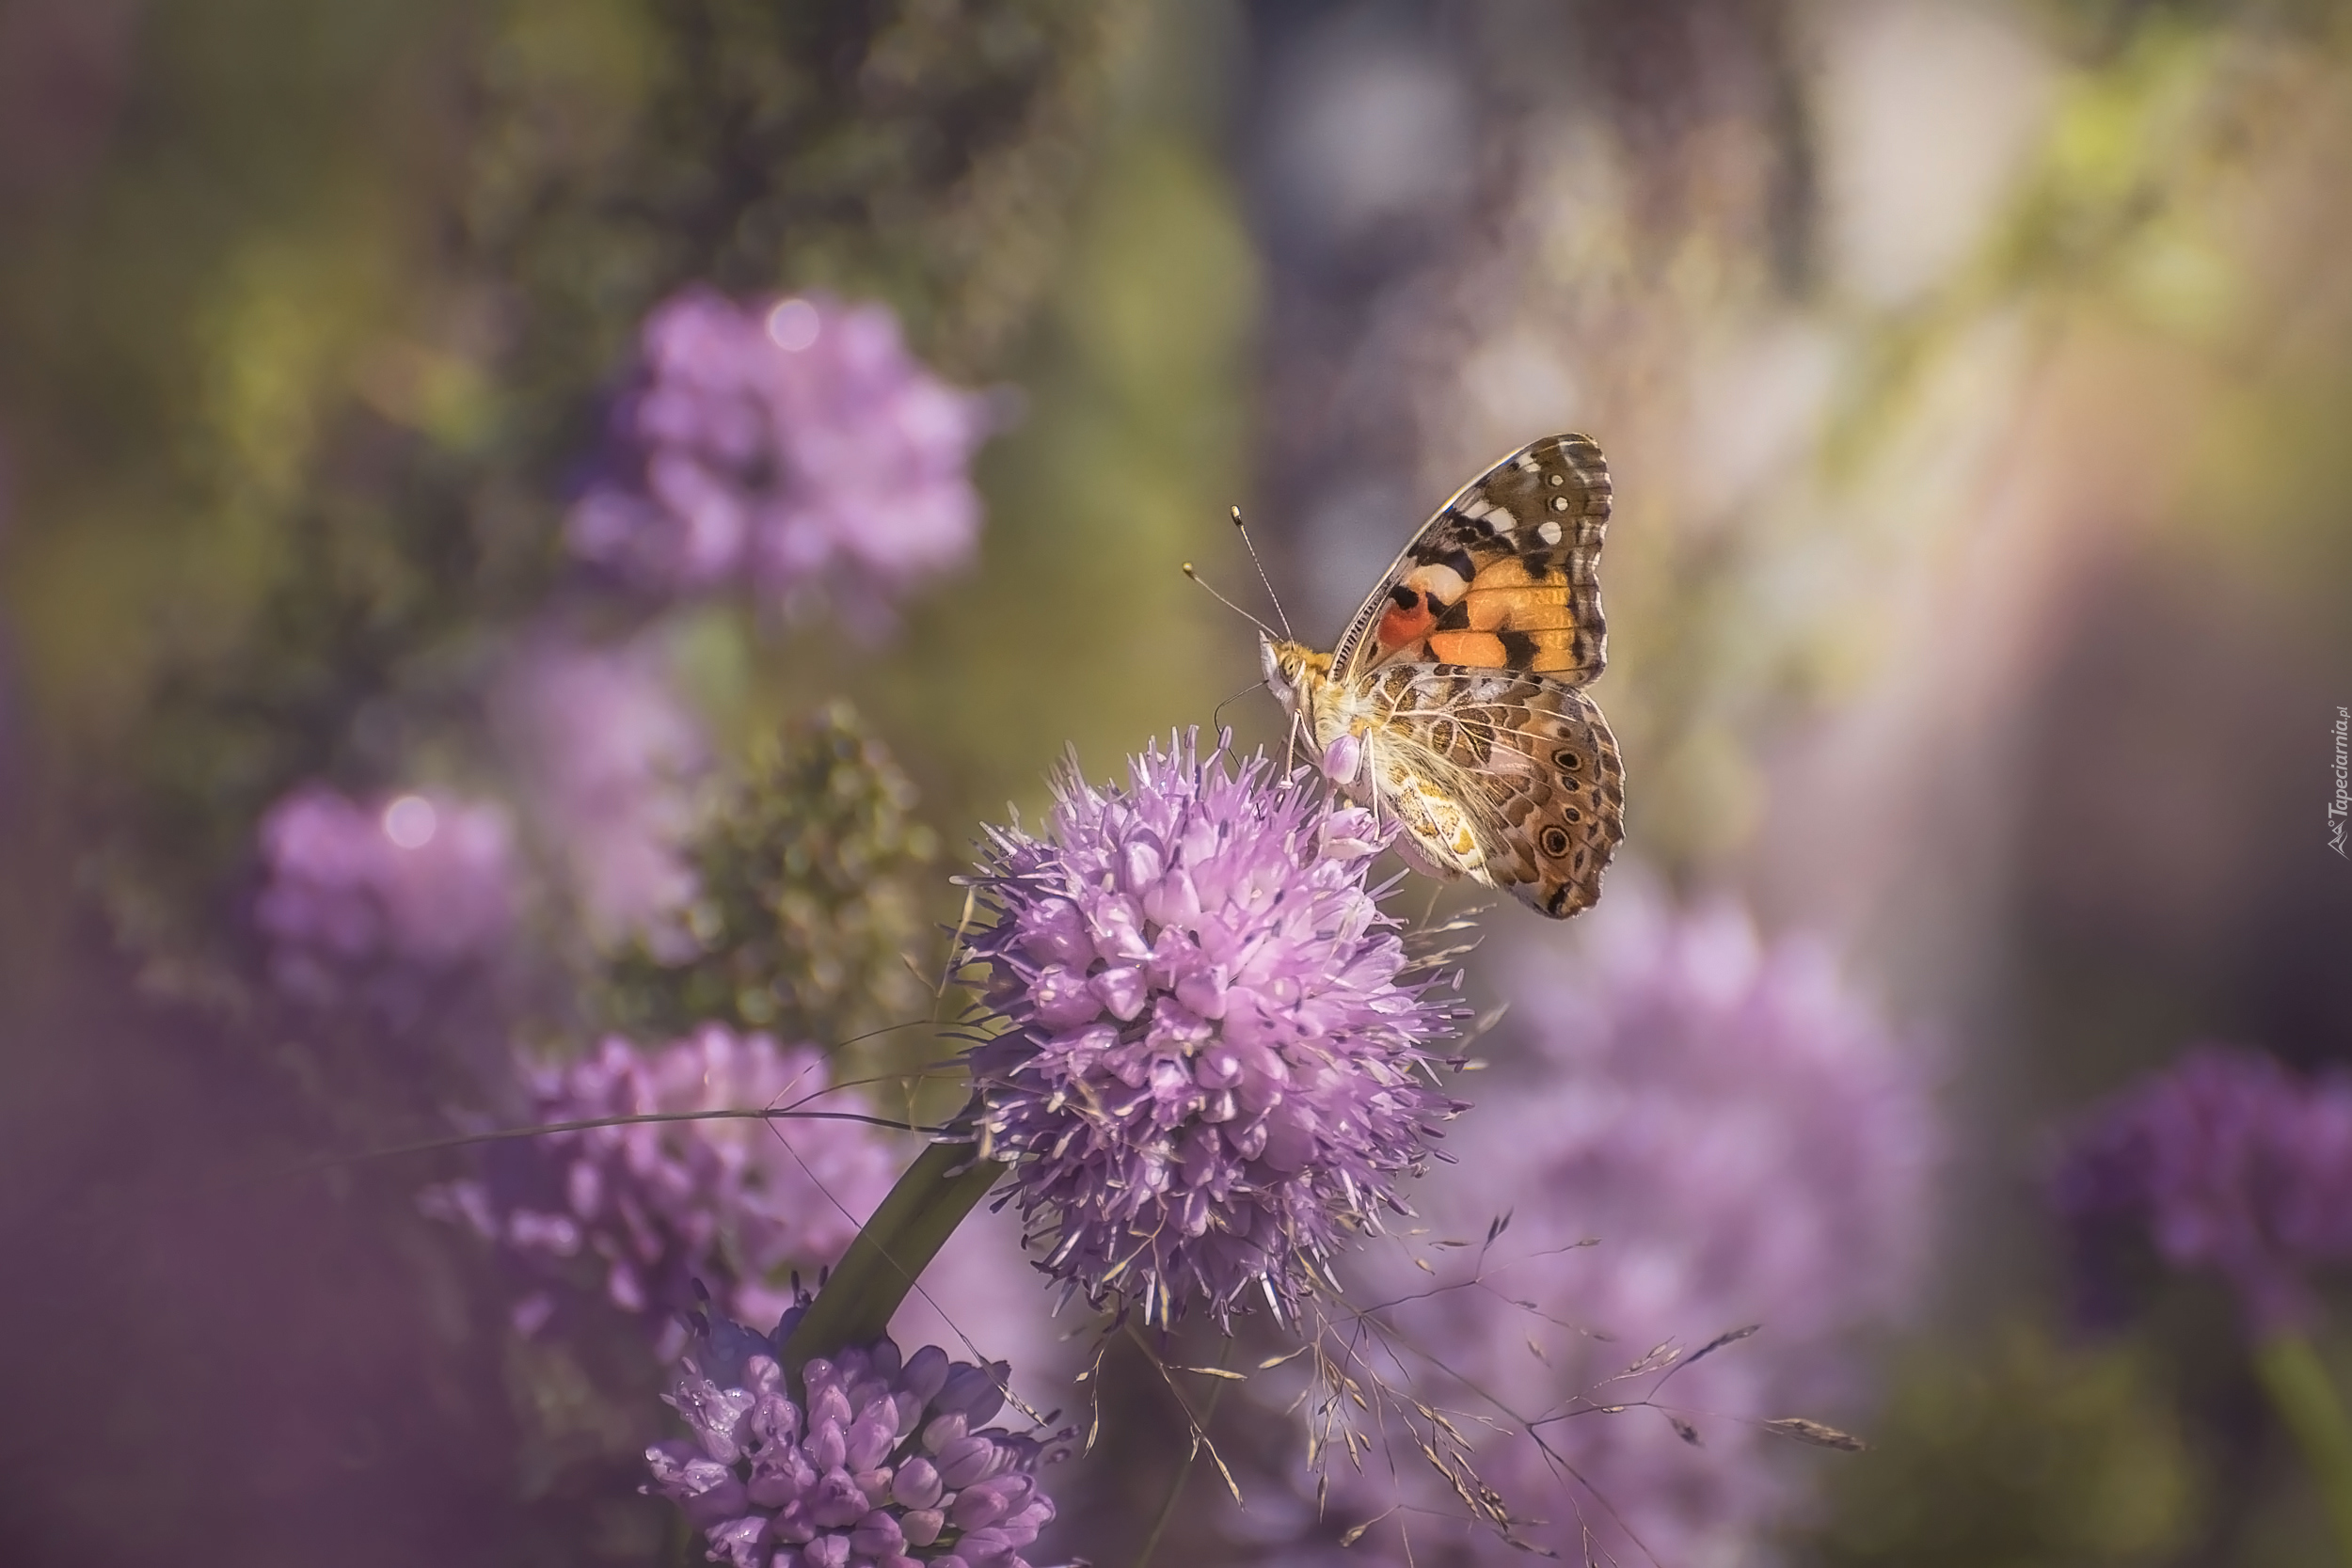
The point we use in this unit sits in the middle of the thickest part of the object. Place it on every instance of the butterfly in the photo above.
(1454, 705)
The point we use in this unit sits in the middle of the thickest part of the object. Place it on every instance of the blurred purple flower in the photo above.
(355, 895)
(1212, 1066)
(608, 754)
(888, 1463)
(795, 442)
(1747, 1144)
(732, 1203)
(2233, 1163)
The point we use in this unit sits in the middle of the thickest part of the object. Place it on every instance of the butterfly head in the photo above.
(1292, 670)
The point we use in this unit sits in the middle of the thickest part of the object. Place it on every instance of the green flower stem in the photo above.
(855, 1306)
(2291, 1373)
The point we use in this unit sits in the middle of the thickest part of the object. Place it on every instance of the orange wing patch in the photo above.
(1538, 609)
(1478, 650)
(1504, 597)
(1517, 620)
(1505, 618)
(1536, 650)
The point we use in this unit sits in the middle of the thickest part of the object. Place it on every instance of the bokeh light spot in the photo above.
(410, 821)
(793, 326)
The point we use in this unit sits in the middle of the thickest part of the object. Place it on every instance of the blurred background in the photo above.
(375, 736)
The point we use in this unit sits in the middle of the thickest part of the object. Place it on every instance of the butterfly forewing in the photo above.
(1503, 576)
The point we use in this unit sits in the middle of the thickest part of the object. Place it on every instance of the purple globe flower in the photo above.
(889, 1463)
(608, 755)
(1213, 1063)
(1746, 1144)
(357, 895)
(2233, 1163)
(795, 442)
(659, 1206)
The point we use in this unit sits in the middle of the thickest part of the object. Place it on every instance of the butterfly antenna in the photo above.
(1228, 603)
(1276, 599)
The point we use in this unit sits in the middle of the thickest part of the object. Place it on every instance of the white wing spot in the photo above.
(1559, 503)
(1559, 478)
(1550, 532)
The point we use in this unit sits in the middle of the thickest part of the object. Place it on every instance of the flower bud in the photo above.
(966, 1461)
(878, 1535)
(918, 1484)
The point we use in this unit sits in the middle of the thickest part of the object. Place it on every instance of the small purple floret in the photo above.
(1213, 1065)
(856, 1476)
(2233, 1163)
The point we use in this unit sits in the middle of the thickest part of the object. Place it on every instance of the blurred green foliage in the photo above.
(921, 152)
(2026, 1454)
(804, 923)
(1079, 631)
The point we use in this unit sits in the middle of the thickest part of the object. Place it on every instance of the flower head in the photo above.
(793, 442)
(422, 882)
(887, 1463)
(1211, 1065)
(1746, 1143)
(658, 1206)
(2234, 1163)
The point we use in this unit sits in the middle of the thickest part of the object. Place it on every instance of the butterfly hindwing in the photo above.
(1503, 576)
(1508, 778)
(1565, 815)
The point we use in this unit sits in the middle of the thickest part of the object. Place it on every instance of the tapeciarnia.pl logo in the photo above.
(2342, 805)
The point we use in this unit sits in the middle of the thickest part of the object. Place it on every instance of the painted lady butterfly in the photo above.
(1454, 705)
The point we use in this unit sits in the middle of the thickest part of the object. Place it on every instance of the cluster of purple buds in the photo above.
(417, 883)
(789, 443)
(2231, 1163)
(1211, 1064)
(661, 1205)
(887, 1463)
